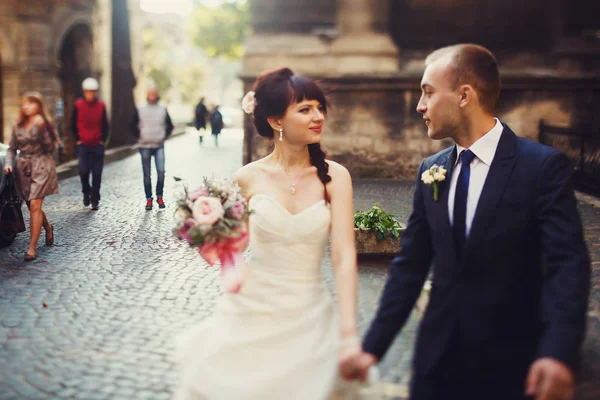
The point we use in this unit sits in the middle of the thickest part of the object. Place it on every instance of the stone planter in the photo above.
(367, 243)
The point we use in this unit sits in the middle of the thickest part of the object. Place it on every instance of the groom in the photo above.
(511, 275)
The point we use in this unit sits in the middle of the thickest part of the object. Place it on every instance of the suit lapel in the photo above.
(493, 188)
(445, 186)
(440, 207)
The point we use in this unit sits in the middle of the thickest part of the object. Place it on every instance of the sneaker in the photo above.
(94, 205)
(161, 203)
(86, 200)
(148, 205)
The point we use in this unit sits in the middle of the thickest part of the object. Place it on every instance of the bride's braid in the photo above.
(317, 158)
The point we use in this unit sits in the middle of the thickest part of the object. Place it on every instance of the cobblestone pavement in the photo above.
(94, 316)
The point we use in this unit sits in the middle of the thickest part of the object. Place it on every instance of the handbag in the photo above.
(11, 216)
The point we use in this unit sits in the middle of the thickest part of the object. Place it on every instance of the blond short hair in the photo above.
(472, 65)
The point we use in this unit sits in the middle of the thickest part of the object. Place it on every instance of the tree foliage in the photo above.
(191, 78)
(161, 78)
(155, 64)
(221, 30)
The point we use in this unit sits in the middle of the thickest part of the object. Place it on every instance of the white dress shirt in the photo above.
(484, 150)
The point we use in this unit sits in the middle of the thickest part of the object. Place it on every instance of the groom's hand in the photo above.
(549, 379)
(357, 366)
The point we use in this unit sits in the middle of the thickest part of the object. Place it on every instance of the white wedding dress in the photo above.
(278, 337)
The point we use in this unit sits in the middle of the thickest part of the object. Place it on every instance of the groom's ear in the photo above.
(467, 95)
(275, 123)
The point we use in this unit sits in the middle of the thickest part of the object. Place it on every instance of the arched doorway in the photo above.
(75, 64)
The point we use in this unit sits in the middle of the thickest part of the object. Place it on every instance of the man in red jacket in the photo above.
(89, 125)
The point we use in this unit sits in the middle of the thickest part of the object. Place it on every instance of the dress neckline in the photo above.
(273, 200)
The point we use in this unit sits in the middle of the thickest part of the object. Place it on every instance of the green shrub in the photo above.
(375, 218)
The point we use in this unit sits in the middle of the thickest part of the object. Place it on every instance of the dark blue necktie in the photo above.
(460, 201)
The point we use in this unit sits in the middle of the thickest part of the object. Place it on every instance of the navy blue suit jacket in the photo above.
(522, 287)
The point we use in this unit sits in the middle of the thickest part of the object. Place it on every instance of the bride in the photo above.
(281, 336)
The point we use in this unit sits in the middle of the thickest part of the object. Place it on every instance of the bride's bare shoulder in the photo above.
(337, 170)
(246, 175)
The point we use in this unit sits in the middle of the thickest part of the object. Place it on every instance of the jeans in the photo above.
(159, 161)
(91, 160)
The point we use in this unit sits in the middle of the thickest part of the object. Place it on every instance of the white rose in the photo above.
(425, 175)
(249, 102)
(438, 176)
(442, 171)
(428, 179)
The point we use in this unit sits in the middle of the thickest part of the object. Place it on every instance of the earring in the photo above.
(280, 134)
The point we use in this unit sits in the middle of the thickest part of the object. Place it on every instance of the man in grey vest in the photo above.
(151, 125)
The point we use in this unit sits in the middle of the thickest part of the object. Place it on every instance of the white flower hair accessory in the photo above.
(249, 103)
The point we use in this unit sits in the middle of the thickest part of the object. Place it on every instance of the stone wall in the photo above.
(299, 16)
(550, 70)
(373, 127)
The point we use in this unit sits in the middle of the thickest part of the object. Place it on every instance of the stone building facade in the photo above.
(370, 55)
(50, 46)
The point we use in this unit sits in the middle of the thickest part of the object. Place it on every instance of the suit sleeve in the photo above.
(105, 125)
(74, 129)
(168, 125)
(134, 124)
(566, 285)
(405, 279)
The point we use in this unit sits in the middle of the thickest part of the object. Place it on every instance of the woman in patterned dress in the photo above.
(35, 172)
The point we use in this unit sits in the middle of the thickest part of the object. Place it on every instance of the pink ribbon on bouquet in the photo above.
(233, 266)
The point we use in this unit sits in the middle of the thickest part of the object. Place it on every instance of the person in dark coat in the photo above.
(200, 117)
(216, 124)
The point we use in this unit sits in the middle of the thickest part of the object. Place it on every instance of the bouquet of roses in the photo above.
(213, 218)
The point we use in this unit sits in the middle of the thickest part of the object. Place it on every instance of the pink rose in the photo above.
(184, 231)
(207, 210)
(198, 192)
(237, 210)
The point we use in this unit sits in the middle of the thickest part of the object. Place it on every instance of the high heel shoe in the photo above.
(50, 242)
(29, 257)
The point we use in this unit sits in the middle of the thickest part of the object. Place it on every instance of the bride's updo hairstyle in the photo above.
(274, 92)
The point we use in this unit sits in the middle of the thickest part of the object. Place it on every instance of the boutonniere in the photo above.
(432, 176)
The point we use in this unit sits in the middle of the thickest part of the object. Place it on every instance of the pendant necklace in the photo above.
(292, 185)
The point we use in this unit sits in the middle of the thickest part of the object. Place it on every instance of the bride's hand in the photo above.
(353, 362)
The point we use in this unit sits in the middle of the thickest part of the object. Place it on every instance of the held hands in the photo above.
(549, 379)
(354, 363)
(7, 170)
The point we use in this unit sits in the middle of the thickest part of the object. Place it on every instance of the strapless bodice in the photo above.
(286, 252)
